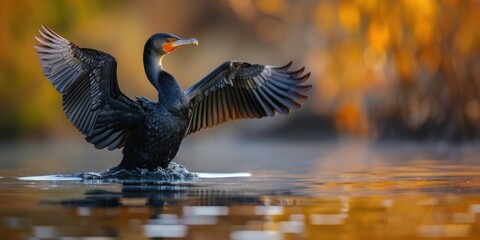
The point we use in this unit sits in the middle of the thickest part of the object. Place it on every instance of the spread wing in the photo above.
(87, 80)
(238, 90)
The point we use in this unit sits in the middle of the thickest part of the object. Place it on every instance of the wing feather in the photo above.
(87, 80)
(239, 90)
(215, 107)
(232, 104)
(225, 110)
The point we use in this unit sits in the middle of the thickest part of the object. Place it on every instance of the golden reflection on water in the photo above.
(283, 208)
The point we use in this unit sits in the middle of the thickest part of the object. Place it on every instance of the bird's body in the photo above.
(159, 135)
(157, 140)
(151, 132)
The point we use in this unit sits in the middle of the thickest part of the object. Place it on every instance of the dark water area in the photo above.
(247, 190)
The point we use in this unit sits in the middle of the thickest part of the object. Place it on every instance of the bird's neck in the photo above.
(169, 92)
(152, 63)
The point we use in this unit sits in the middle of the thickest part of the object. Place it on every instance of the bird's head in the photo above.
(163, 43)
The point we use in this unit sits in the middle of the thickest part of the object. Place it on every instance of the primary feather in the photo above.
(239, 90)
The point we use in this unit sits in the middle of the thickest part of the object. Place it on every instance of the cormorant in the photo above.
(151, 132)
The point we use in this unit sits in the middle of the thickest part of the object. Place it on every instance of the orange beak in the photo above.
(177, 43)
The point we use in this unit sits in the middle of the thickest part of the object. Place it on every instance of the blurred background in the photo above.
(380, 69)
(389, 141)
(390, 136)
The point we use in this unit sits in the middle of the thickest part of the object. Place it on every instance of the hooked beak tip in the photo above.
(185, 41)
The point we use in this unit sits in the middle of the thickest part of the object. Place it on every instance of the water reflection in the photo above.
(343, 193)
(207, 210)
(166, 210)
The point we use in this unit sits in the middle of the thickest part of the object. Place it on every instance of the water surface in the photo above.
(268, 191)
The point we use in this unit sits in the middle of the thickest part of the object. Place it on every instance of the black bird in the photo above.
(151, 132)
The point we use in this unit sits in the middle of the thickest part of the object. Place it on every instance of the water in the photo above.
(267, 191)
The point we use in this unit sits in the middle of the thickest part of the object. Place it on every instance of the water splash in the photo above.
(224, 175)
(174, 172)
(49, 178)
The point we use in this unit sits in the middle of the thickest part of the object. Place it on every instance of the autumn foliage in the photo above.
(380, 68)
